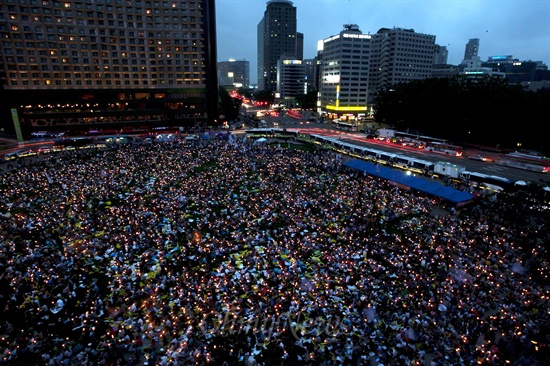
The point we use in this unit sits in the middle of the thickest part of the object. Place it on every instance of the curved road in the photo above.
(304, 126)
(489, 168)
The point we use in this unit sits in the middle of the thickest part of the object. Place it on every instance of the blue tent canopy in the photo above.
(418, 183)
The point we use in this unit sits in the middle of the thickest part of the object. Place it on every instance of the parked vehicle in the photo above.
(385, 133)
(446, 169)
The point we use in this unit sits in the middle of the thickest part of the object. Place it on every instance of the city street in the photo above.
(304, 125)
(486, 167)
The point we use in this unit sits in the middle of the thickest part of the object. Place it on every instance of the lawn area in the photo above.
(292, 146)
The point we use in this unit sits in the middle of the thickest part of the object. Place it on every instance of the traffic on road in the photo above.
(308, 123)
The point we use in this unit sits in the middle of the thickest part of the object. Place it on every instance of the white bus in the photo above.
(526, 162)
(444, 148)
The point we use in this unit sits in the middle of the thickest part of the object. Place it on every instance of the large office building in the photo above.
(355, 66)
(311, 74)
(344, 73)
(103, 63)
(474, 70)
(442, 71)
(472, 49)
(399, 56)
(234, 73)
(517, 72)
(277, 37)
(290, 81)
(441, 54)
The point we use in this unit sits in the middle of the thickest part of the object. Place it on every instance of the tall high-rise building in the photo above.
(311, 77)
(74, 64)
(472, 49)
(234, 73)
(290, 80)
(441, 54)
(344, 72)
(299, 46)
(277, 37)
(400, 55)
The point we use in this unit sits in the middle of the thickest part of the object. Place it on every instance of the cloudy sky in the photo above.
(520, 28)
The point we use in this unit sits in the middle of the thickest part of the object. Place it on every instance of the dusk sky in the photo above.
(520, 28)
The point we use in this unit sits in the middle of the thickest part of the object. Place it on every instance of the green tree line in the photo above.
(228, 106)
(486, 111)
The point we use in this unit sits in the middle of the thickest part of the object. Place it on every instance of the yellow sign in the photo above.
(345, 108)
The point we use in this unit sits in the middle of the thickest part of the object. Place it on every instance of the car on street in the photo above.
(477, 158)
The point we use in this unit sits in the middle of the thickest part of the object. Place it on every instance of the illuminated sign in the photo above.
(360, 36)
(331, 38)
(320, 45)
(292, 62)
(346, 108)
(332, 78)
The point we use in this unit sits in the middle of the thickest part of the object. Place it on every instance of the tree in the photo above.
(264, 96)
(486, 111)
(307, 101)
(245, 92)
(229, 107)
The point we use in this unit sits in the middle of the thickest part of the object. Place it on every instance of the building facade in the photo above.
(290, 81)
(311, 74)
(398, 56)
(234, 73)
(73, 64)
(474, 70)
(277, 37)
(345, 61)
(299, 46)
(445, 71)
(441, 54)
(517, 72)
(472, 49)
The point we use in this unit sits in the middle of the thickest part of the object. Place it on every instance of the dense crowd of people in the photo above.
(231, 252)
